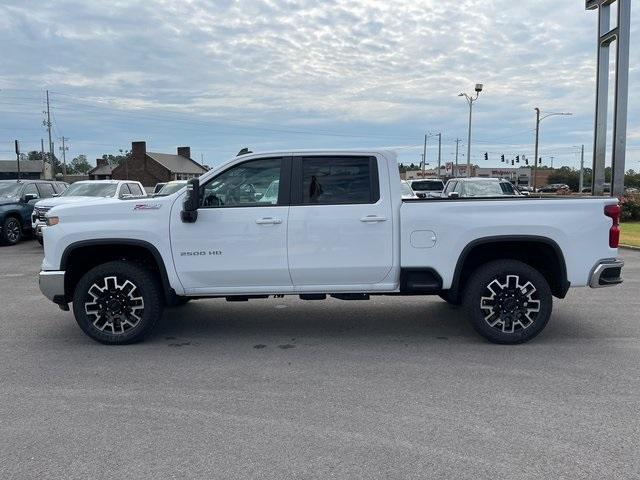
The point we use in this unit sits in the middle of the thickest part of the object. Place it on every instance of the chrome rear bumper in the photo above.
(606, 273)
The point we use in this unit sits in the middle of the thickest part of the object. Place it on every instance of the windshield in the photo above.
(170, 188)
(90, 190)
(487, 189)
(10, 189)
(406, 189)
(428, 186)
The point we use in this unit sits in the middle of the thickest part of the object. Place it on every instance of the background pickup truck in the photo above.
(336, 226)
(81, 192)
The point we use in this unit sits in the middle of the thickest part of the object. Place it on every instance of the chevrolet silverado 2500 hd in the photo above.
(318, 223)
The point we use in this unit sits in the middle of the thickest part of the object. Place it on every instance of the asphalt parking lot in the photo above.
(282, 388)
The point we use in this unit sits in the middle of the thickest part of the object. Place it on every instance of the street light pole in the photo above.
(538, 120)
(470, 101)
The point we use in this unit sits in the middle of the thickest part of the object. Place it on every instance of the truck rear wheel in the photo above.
(117, 302)
(508, 301)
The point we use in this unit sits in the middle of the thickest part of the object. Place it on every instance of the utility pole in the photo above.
(64, 149)
(455, 174)
(439, 152)
(47, 124)
(581, 168)
(18, 158)
(535, 156)
(424, 155)
(44, 164)
(552, 162)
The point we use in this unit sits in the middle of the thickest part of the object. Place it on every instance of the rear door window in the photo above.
(339, 180)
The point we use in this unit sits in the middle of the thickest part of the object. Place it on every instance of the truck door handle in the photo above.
(373, 219)
(268, 221)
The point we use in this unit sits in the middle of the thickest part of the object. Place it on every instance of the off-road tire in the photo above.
(118, 302)
(507, 301)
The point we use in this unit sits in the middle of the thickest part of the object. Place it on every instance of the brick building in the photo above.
(150, 168)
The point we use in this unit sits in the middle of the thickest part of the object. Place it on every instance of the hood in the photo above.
(8, 200)
(55, 201)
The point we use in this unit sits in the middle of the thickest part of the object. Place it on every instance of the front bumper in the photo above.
(36, 228)
(606, 273)
(52, 285)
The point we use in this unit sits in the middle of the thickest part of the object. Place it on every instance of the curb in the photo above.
(630, 247)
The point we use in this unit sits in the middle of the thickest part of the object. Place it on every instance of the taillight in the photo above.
(613, 212)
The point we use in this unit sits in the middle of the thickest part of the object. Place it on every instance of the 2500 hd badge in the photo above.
(201, 253)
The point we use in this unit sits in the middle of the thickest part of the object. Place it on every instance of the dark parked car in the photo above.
(17, 198)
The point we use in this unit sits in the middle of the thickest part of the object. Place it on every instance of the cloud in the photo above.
(369, 66)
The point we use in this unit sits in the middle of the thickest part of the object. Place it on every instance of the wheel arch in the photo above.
(539, 252)
(80, 257)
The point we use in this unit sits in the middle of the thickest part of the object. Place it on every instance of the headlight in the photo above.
(51, 221)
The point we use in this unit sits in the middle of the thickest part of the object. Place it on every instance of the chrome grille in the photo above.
(40, 212)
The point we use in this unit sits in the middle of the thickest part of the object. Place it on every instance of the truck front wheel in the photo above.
(117, 302)
(508, 301)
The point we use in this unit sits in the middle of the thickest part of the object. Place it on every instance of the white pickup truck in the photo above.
(80, 192)
(334, 223)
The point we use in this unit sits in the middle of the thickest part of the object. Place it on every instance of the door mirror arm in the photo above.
(189, 213)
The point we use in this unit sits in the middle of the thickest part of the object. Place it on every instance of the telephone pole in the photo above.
(47, 123)
(44, 168)
(582, 168)
(424, 155)
(455, 174)
(439, 152)
(64, 149)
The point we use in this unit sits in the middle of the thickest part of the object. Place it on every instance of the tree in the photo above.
(79, 165)
(55, 163)
(117, 159)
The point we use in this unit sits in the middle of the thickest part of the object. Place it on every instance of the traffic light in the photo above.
(486, 155)
(517, 158)
(502, 157)
(512, 161)
(526, 161)
(540, 161)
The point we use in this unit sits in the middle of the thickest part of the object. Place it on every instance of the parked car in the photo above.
(554, 188)
(338, 227)
(479, 187)
(427, 187)
(170, 187)
(84, 191)
(406, 190)
(17, 199)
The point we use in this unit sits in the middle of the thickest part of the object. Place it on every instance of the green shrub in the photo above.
(630, 208)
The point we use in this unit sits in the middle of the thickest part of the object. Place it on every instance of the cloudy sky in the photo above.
(274, 74)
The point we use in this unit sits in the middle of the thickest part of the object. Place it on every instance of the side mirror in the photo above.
(454, 194)
(191, 203)
(525, 193)
(421, 195)
(30, 196)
